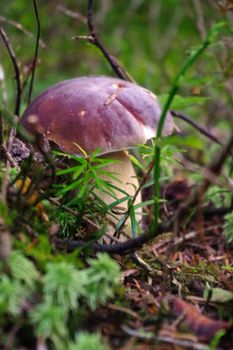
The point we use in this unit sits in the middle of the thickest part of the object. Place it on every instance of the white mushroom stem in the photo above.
(126, 180)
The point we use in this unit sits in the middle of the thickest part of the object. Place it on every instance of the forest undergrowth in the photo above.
(72, 277)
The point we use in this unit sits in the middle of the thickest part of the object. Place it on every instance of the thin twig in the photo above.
(16, 68)
(200, 128)
(200, 18)
(118, 248)
(6, 171)
(16, 25)
(224, 181)
(95, 40)
(19, 27)
(11, 337)
(10, 158)
(137, 260)
(36, 51)
(166, 339)
(72, 14)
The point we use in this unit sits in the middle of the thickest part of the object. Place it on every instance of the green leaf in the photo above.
(87, 341)
(180, 102)
(120, 222)
(133, 220)
(98, 181)
(136, 162)
(70, 187)
(76, 169)
(216, 339)
(184, 141)
(218, 295)
(145, 203)
(71, 156)
(118, 201)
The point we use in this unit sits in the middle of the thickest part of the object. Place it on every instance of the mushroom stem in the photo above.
(126, 180)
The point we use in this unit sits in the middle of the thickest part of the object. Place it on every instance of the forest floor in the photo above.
(176, 295)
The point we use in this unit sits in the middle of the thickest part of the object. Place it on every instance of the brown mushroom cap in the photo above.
(95, 112)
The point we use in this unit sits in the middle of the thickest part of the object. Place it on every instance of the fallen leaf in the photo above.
(202, 326)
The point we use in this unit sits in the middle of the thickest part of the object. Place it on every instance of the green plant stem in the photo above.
(175, 86)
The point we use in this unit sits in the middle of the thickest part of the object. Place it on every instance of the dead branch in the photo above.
(36, 51)
(118, 248)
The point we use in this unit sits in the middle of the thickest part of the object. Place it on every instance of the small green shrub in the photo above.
(88, 341)
(51, 303)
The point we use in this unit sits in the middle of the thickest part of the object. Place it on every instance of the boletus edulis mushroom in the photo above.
(98, 112)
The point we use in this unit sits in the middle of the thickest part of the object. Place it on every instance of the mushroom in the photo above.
(98, 112)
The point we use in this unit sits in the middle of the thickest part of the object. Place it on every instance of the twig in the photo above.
(200, 128)
(9, 157)
(200, 18)
(224, 181)
(165, 339)
(192, 234)
(137, 260)
(72, 14)
(19, 27)
(125, 310)
(36, 51)
(95, 40)
(6, 171)
(118, 248)
(16, 68)
(16, 25)
(11, 337)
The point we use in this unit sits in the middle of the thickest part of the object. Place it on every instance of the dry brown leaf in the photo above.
(202, 326)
